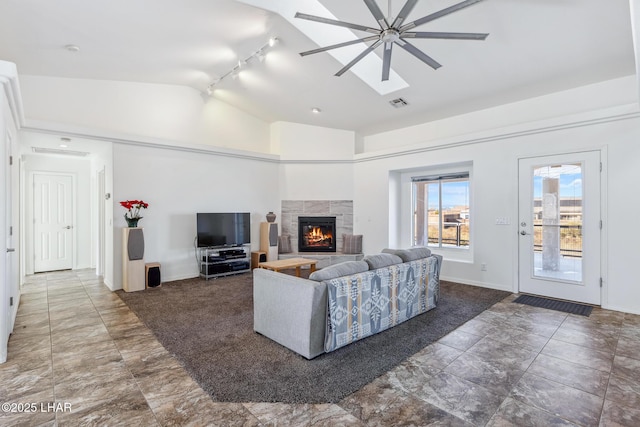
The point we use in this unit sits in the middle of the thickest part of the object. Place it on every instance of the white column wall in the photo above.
(103, 159)
(11, 117)
(315, 162)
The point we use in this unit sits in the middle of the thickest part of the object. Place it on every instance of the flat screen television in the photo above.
(223, 229)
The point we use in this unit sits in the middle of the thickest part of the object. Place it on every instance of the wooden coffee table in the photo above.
(285, 264)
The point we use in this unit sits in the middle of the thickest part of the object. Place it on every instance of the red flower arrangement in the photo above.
(133, 208)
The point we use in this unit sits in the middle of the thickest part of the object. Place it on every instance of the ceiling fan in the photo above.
(394, 33)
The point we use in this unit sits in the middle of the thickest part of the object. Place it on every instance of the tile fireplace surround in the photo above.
(290, 210)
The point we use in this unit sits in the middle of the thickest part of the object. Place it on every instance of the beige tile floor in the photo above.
(79, 356)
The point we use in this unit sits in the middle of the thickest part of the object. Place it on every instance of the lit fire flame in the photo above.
(316, 235)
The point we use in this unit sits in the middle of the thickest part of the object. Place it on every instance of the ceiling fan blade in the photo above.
(377, 13)
(386, 61)
(439, 14)
(358, 58)
(404, 12)
(335, 22)
(419, 54)
(335, 46)
(437, 35)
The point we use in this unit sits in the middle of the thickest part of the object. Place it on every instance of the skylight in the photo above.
(368, 69)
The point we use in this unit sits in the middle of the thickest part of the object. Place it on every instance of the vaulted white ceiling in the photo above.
(535, 47)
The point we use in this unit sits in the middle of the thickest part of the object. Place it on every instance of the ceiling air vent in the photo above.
(43, 150)
(398, 103)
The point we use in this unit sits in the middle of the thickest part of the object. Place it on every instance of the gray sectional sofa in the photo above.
(345, 302)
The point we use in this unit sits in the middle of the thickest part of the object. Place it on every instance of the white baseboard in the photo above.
(476, 283)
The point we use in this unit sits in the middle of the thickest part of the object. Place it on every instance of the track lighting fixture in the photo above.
(259, 55)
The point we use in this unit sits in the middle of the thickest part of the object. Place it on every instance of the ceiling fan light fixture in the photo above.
(396, 33)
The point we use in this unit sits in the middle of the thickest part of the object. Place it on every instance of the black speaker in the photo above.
(153, 275)
(262, 258)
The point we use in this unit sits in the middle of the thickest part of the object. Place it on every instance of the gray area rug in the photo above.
(208, 327)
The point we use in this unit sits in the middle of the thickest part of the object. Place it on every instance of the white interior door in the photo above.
(559, 226)
(53, 222)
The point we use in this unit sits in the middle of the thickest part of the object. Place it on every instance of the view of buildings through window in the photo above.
(441, 211)
(557, 209)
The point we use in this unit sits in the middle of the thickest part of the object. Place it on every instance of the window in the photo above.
(441, 210)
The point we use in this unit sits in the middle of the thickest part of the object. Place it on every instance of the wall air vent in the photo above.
(43, 150)
(398, 103)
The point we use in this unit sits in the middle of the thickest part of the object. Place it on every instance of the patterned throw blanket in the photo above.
(366, 303)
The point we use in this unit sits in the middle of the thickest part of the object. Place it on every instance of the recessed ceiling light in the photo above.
(63, 145)
(316, 110)
(72, 48)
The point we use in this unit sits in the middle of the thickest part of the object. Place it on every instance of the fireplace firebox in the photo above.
(317, 234)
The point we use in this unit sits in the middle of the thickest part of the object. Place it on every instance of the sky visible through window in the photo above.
(457, 193)
(453, 194)
(570, 186)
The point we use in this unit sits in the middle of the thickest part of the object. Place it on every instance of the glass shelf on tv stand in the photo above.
(218, 261)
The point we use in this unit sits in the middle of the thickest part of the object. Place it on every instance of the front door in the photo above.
(559, 226)
(53, 222)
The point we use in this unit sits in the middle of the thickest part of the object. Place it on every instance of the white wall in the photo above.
(495, 157)
(177, 184)
(102, 159)
(315, 162)
(80, 169)
(171, 113)
(610, 93)
(5, 286)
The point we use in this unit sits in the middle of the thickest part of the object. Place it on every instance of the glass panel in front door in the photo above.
(557, 222)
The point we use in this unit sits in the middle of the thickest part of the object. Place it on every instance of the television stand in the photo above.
(218, 261)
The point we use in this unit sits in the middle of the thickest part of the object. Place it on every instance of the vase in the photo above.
(271, 217)
(132, 222)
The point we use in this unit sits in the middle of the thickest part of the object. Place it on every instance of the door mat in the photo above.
(552, 304)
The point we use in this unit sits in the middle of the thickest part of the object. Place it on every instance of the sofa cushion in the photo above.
(352, 243)
(410, 254)
(338, 270)
(367, 303)
(382, 260)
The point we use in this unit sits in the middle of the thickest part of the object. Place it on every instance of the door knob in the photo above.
(68, 227)
(11, 250)
(524, 233)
